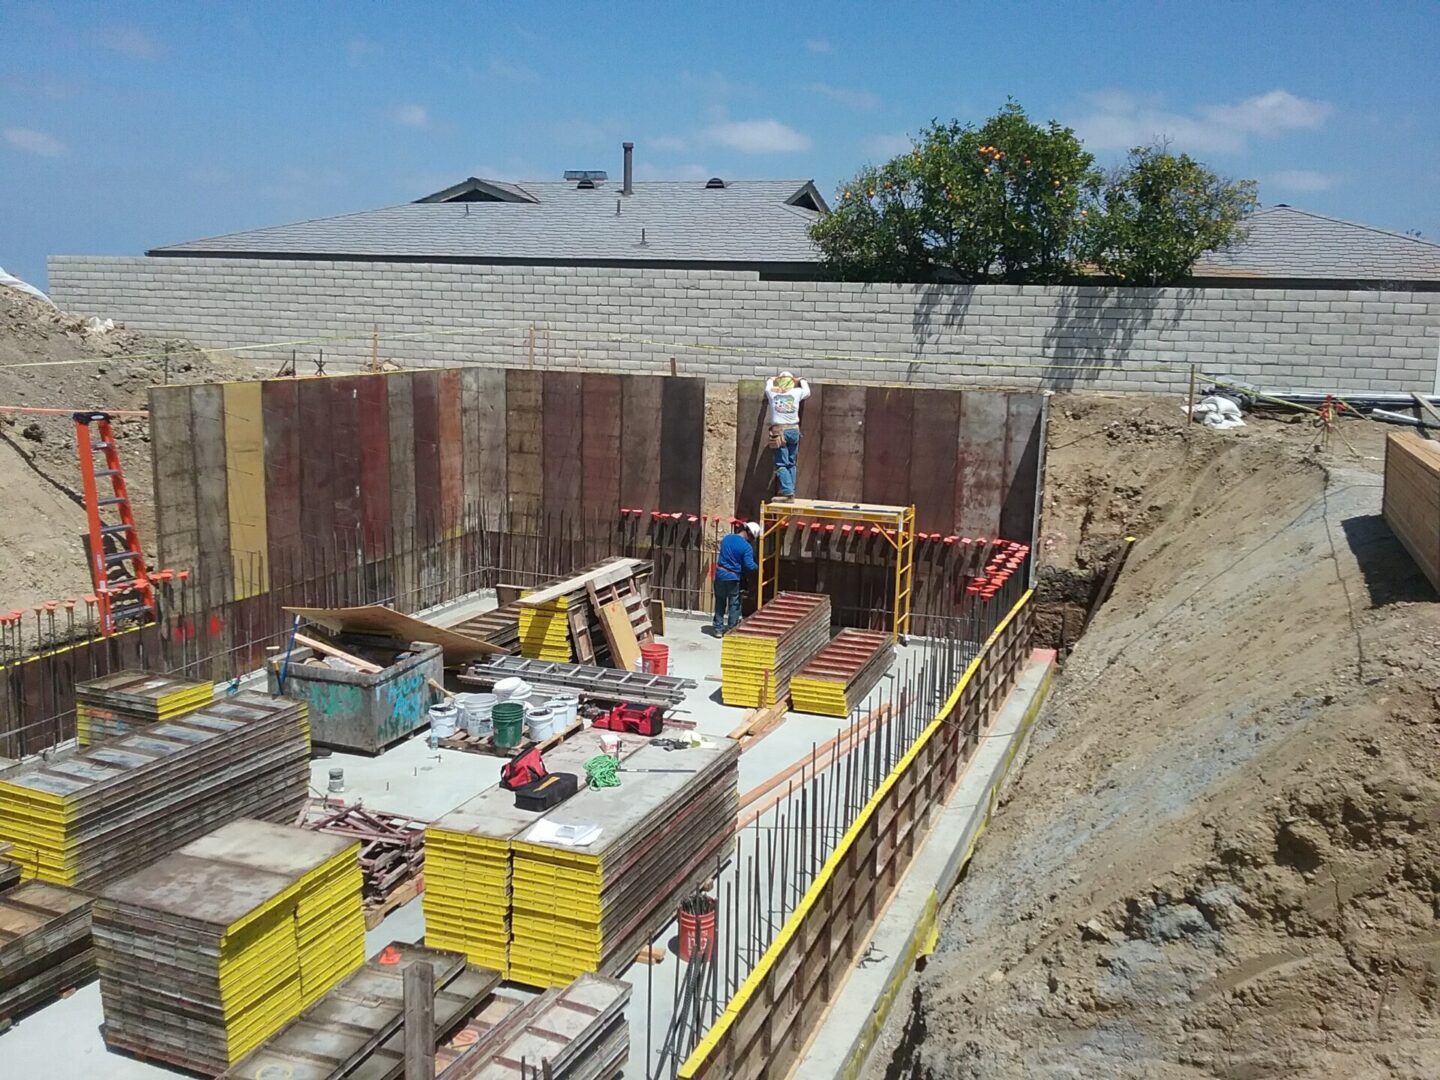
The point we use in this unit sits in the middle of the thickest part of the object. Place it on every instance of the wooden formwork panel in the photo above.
(1411, 503)
(842, 422)
(889, 418)
(374, 464)
(681, 439)
(245, 487)
(812, 444)
(279, 402)
(934, 453)
(345, 458)
(451, 439)
(600, 450)
(562, 443)
(753, 460)
(426, 410)
(1024, 443)
(470, 439)
(212, 504)
(491, 465)
(173, 460)
(980, 463)
(524, 417)
(640, 412)
(317, 468)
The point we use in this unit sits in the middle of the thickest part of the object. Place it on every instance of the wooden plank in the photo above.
(1024, 437)
(451, 450)
(619, 634)
(754, 462)
(560, 440)
(812, 442)
(279, 399)
(889, 417)
(842, 423)
(524, 453)
(980, 463)
(245, 487)
(493, 473)
(426, 387)
(612, 572)
(345, 455)
(600, 451)
(317, 469)
(640, 410)
(212, 504)
(934, 445)
(682, 442)
(172, 450)
(1411, 500)
(374, 465)
(470, 435)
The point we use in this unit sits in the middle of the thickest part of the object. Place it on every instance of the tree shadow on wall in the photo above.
(1095, 326)
(939, 310)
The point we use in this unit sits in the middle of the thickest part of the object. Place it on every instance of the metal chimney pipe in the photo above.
(629, 188)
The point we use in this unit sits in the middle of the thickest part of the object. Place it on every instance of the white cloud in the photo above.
(862, 100)
(1118, 121)
(360, 49)
(412, 116)
(506, 71)
(33, 142)
(1301, 180)
(758, 137)
(887, 146)
(819, 45)
(130, 41)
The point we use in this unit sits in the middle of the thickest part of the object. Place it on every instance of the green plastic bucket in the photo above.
(509, 720)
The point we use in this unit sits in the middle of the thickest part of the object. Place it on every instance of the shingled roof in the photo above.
(737, 223)
(1299, 245)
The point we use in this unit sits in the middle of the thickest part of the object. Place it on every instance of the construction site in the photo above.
(369, 716)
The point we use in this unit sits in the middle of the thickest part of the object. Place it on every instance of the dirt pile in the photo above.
(1222, 856)
(49, 359)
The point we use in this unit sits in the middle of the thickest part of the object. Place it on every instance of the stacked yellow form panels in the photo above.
(88, 818)
(130, 700)
(545, 631)
(837, 678)
(758, 657)
(467, 894)
(206, 953)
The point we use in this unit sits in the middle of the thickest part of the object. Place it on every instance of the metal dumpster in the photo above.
(353, 710)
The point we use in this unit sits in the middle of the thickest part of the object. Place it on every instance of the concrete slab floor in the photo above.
(63, 1038)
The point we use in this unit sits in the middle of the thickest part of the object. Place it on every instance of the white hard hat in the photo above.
(753, 528)
(786, 375)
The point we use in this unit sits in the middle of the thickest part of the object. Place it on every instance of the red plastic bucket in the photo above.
(655, 659)
(697, 927)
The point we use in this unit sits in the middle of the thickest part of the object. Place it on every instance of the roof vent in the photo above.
(585, 185)
(714, 182)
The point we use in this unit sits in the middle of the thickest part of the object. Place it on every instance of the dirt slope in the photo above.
(1222, 856)
(48, 360)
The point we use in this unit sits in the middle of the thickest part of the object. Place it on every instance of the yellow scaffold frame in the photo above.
(896, 523)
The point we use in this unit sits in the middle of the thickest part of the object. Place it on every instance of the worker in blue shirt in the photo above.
(735, 558)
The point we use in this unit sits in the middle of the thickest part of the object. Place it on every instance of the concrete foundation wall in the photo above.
(727, 324)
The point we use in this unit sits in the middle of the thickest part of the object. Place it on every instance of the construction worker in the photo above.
(785, 395)
(736, 558)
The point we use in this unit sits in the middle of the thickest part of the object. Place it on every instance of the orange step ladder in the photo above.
(123, 591)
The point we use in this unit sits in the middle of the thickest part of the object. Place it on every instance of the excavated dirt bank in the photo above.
(1221, 858)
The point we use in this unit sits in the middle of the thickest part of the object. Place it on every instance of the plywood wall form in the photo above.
(1412, 498)
(969, 461)
(258, 483)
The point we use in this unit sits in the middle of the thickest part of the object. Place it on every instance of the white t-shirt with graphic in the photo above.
(785, 404)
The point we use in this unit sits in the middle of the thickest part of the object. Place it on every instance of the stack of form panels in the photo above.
(45, 945)
(357, 1028)
(468, 860)
(130, 700)
(499, 627)
(545, 631)
(765, 649)
(208, 952)
(591, 908)
(837, 678)
(578, 1032)
(113, 808)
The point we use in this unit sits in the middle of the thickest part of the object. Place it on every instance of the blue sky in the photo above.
(125, 126)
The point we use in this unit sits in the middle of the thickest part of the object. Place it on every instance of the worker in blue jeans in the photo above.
(785, 395)
(736, 558)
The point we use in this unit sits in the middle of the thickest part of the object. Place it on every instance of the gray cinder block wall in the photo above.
(728, 324)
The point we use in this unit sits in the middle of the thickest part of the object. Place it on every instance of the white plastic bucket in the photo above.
(512, 689)
(567, 707)
(540, 719)
(475, 710)
(443, 719)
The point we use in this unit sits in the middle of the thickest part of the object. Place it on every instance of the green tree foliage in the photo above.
(1159, 213)
(1018, 201)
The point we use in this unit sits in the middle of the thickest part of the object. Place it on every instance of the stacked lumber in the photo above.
(759, 656)
(114, 705)
(112, 808)
(1412, 498)
(357, 1027)
(499, 626)
(206, 953)
(573, 1033)
(590, 908)
(836, 679)
(45, 945)
(468, 861)
(9, 871)
(566, 621)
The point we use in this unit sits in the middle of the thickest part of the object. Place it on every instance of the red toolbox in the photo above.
(633, 720)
